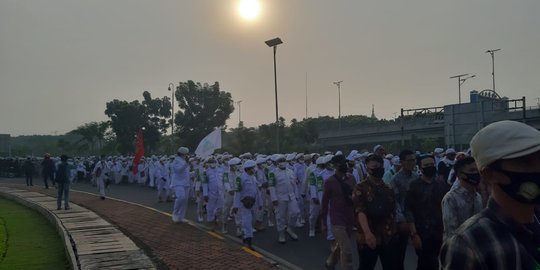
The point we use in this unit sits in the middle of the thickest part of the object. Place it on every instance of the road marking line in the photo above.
(216, 235)
(252, 252)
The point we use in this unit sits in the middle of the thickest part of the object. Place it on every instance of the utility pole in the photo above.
(306, 95)
(492, 52)
(339, 101)
(461, 81)
(171, 88)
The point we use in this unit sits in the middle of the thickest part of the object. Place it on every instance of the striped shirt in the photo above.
(492, 241)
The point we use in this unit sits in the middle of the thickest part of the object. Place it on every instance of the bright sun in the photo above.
(249, 9)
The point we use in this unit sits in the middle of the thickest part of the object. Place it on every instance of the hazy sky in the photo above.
(61, 61)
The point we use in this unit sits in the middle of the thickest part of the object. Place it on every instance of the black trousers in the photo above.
(428, 256)
(387, 252)
(48, 176)
(401, 249)
(28, 177)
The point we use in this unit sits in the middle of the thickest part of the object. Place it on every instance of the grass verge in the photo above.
(31, 242)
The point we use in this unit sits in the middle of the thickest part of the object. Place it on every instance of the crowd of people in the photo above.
(473, 209)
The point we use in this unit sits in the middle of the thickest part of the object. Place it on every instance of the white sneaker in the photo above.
(299, 224)
(238, 231)
(311, 232)
(270, 224)
(291, 233)
(224, 230)
(281, 238)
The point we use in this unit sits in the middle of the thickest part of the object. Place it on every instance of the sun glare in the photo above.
(249, 9)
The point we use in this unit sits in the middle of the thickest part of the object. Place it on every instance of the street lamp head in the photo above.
(458, 76)
(492, 51)
(273, 42)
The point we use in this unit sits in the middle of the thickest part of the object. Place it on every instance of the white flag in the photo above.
(210, 143)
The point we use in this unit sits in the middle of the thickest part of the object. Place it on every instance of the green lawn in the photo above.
(28, 240)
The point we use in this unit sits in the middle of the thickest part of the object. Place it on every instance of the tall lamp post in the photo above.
(171, 88)
(239, 112)
(339, 101)
(461, 81)
(492, 52)
(273, 43)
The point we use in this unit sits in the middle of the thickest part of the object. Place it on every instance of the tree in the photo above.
(92, 136)
(203, 108)
(128, 117)
(241, 140)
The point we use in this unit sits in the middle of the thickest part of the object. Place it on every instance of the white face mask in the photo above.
(282, 165)
(213, 165)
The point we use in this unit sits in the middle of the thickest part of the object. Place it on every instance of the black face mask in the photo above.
(523, 187)
(377, 173)
(429, 171)
(343, 168)
(472, 178)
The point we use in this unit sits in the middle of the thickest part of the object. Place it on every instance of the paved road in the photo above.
(307, 253)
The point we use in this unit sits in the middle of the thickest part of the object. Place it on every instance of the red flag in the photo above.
(139, 152)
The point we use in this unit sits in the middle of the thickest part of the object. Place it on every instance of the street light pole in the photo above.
(273, 43)
(461, 81)
(239, 112)
(339, 101)
(492, 52)
(172, 107)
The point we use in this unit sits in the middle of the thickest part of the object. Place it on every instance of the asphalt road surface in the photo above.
(306, 253)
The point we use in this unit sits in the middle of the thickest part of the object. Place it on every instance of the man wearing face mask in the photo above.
(316, 185)
(213, 192)
(462, 201)
(180, 183)
(375, 207)
(246, 198)
(229, 184)
(400, 184)
(424, 215)
(445, 165)
(282, 185)
(506, 234)
(337, 203)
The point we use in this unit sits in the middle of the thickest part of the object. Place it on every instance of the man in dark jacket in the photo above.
(28, 168)
(47, 170)
(62, 178)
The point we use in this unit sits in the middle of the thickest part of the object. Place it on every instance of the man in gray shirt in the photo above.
(462, 201)
(400, 185)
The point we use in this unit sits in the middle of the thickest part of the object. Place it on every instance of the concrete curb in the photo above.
(70, 248)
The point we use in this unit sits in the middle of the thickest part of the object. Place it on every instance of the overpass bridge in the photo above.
(454, 124)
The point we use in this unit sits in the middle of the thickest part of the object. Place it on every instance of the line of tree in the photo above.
(200, 108)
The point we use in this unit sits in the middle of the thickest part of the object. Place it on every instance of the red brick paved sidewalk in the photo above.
(176, 246)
